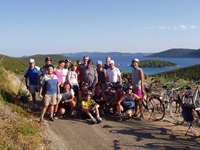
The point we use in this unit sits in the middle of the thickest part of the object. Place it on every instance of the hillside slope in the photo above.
(18, 65)
(187, 73)
(178, 53)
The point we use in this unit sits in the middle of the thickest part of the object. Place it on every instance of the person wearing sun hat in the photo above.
(138, 85)
(31, 80)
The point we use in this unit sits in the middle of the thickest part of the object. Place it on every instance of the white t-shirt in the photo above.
(112, 75)
(65, 72)
(66, 96)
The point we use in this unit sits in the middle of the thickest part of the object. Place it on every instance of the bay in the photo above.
(123, 62)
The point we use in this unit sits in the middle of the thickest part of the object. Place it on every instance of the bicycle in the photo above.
(152, 103)
(171, 98)
(193, 98)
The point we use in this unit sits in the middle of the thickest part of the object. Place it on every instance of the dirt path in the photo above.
(127, 135)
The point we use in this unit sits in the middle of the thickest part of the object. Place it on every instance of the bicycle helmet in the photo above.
(129, 87)
(109, 84)
(135, 60)
(88, 93)
(84, 84)
(119, 86)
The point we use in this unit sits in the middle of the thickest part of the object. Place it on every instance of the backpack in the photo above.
(187, 112)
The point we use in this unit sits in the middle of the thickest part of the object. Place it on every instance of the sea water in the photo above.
(123, 62)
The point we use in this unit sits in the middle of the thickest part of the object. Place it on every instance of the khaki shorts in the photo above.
(50, 99)
(33, 88)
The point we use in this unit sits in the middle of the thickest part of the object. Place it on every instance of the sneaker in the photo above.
(52, 119)
(72, 116)
(99, 119)
(102, 112)
(55, 116)
(141, 117)
(119, 119)
(94, 120)
(41, 120)
(134, 115)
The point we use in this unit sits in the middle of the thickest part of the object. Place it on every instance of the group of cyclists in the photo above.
(93, 88)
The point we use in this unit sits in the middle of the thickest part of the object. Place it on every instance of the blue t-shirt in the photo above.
(32, 74)
(50, 84)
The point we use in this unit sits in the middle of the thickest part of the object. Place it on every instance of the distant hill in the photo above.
(18, 65)
(187, 73)
(99, 53)
(156, 64)
(178, 53)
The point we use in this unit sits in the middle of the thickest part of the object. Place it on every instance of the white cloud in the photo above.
(183, 27)
(180, 27)
(194, 27)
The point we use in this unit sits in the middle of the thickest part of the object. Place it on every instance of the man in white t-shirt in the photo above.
(113, 74)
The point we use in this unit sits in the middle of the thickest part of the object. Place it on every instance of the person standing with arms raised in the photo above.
(138, 86)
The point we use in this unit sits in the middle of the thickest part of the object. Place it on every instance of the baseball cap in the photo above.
(112, 62)
(48, 59)
(135, 60)
(68, 60)
(90, 61)
(31, 60)
(50, 65)
(99, 62)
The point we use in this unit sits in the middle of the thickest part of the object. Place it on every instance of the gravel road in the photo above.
(131, 134)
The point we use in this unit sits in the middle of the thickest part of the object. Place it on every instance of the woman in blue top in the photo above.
(126, 103)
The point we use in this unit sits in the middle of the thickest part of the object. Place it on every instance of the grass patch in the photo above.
(18, 131)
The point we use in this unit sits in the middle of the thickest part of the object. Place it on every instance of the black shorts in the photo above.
(64, 105)
(76, 89)
(101, 102)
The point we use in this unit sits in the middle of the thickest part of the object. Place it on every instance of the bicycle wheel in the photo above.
(156, 108)
(196, 100)
(176, 111)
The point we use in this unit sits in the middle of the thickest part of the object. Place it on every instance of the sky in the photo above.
(29, 27)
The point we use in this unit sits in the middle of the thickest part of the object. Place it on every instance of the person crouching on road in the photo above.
(67, 101)
(126, 103)
(90, 106)
(50, 87)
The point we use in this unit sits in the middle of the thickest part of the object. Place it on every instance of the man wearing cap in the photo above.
(43, 70)
(31, 80)
(101, 75)
(138, 85)
(89, 74)
(113, 74)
